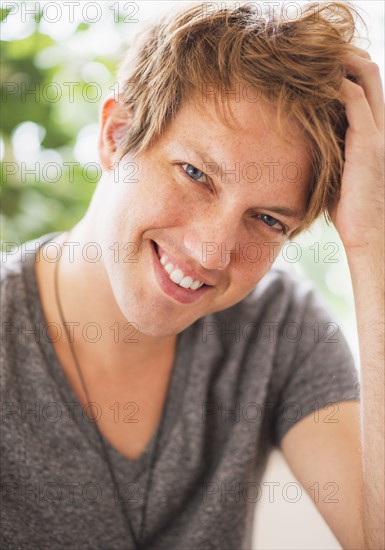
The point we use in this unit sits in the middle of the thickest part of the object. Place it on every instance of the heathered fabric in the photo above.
(241, 378)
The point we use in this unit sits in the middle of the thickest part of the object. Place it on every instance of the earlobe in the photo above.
(112, 120)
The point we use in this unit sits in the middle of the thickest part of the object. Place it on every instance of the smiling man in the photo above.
(155, 432)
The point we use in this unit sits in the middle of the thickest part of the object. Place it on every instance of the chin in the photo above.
(155, 330)
(153, 322)
(151, 313)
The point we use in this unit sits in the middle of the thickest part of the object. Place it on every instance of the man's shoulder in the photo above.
(280, 290)
(283, 281)
(13, 256)
(11, 269)
(17, 279)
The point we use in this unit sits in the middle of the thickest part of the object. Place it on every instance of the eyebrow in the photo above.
(282, 210)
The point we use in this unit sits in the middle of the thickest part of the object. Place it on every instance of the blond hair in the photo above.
(301, 60)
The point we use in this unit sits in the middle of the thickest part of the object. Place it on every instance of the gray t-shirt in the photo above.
(241, 378)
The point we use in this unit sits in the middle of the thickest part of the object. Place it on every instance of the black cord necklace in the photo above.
(136, 539)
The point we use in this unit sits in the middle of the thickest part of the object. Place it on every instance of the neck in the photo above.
(101, 335)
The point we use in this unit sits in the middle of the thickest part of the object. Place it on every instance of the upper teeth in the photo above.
(177, 275)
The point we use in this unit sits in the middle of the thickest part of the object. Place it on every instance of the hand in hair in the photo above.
(359, 214)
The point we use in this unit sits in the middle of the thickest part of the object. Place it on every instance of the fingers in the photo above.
(358, 111)
(368, 77)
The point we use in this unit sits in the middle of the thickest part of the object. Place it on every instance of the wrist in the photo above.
(370, 257)
(368, 281)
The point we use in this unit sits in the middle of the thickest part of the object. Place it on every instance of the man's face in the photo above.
(171, 205)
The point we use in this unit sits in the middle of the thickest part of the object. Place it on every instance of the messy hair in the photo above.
(295, 64)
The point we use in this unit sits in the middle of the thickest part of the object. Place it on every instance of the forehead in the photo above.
(234, 130)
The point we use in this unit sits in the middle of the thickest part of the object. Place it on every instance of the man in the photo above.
(176, 246)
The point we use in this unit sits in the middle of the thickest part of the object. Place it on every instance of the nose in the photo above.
(212, 244)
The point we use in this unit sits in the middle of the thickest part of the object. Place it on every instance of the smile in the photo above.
(177, 276)
(173, 280)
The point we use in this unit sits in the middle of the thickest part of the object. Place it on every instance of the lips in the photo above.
(180, 264)
(182, 295)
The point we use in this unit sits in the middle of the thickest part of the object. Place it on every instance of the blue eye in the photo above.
(272, 222)
(194, 173)
(269, 220)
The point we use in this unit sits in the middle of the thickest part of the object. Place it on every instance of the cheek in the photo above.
(252, 261)
(255, 257)
(145, 202)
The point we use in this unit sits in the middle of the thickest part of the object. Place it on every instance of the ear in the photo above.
(114, 117)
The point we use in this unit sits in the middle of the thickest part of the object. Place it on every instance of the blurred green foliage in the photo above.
(46, 82)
